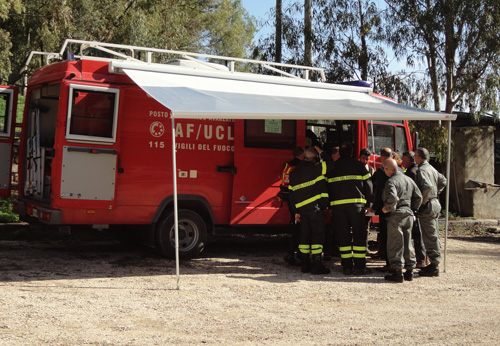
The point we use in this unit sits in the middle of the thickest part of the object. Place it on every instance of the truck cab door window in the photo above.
(401, 142)
(383, 137)
(92, 114)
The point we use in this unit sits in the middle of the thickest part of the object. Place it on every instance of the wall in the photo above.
(472, 173)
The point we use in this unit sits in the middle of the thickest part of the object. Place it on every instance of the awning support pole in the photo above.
(373, 145)
(176, 215)
(447, 196)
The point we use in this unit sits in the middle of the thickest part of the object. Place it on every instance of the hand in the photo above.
(297, 217)
(318, 149)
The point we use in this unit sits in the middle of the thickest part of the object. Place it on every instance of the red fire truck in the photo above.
(95, 150)
(8, 102)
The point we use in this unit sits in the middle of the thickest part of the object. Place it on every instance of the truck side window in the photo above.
(401, 142)
(383, 137)
(92, 114)
(4, 113)
(270, 133)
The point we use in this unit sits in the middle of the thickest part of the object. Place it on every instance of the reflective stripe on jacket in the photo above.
(349, 183)
(308, 187)
(285, 175)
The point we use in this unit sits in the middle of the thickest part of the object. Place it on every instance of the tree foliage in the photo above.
(6, 7)
(348, 31)
(210, 26)
(433, 136)
(346, 39)
(458, 41)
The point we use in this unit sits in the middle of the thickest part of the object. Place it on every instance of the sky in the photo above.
(260, 9)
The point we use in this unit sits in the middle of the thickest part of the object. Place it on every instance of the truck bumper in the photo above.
(41, 214)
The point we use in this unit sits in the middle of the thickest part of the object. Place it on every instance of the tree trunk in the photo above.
(279, 13)
(432, 63)
(308, 33)
(449, 54)
(363, 57)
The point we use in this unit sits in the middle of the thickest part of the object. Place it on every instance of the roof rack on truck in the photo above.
(157, 55)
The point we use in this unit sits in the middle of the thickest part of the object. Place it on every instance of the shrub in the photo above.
(6, 214)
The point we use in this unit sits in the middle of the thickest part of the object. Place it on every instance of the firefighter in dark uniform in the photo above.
(291, 256)
(401, 198)
(350, 190)
(431, 183)
(309, 198)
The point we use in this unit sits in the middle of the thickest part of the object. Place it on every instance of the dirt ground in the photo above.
(76, 290)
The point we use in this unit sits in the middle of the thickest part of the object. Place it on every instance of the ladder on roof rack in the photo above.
(134, 52)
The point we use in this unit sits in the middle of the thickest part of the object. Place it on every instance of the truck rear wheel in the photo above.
(192, 235)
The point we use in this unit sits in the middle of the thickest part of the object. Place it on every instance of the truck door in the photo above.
(8, 107)
(261, 149)
(90, 156)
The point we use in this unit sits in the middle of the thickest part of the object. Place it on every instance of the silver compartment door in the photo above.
(88, 173)
(5, 152)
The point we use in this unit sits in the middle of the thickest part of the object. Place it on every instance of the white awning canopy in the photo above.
(194, 93)
(191, 93)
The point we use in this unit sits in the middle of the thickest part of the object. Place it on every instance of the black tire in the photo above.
(192, 235)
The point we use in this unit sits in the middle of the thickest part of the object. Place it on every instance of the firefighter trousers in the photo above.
(428, 218)
(312, 232)
(382, 237)
(418, 243)
(352, 232)
(399, 243)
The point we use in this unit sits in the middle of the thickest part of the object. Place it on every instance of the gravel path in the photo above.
(85, 292)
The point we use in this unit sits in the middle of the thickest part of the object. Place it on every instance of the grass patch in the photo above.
(6, 213)
(465, 230)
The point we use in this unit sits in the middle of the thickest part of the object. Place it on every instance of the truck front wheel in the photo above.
(192, 235)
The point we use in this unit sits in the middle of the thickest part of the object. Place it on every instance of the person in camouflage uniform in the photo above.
(401, 198)
(430, 183)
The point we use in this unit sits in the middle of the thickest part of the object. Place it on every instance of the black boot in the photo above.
(289, 258)
(361, 271)
(360, 267)
(317, 266)
(346, 265)
(408, 275)
(431, 270)
(306, 262)
(396, 276)
(293, 258)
